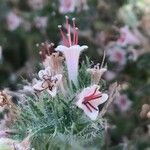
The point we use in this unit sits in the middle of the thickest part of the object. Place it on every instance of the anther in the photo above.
(66, 17)
(59, 26)
(42, 44)
(37, 44)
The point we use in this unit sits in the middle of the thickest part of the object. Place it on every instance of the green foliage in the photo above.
(57, 123)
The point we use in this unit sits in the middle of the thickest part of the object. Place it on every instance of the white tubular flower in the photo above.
(47, 82)
(89, 100)
(71, 50)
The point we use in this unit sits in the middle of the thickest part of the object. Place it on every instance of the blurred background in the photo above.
(120, 27)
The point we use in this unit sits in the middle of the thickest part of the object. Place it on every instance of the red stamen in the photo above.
(76, 37)
(69, 39)
(89, 98)
(92, 106)
(67, 23)
(65, 41)
(88, 107)
(74, 30)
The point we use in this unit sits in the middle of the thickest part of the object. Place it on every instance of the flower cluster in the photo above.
(52, 77)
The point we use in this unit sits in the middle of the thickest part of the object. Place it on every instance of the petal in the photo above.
(46, 72)
(83, 47)
(38, 86)
(93, 115)
(100, 100)
(89, 90)
(52, 92)
(78, 47)
(104, 98)
(61, 48)
(58, 77)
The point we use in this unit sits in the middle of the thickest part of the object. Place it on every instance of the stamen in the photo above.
(37, 44)
(89, 97)
(76, 37)
(42, 44)
(104, 55)
(92, 106)
(67, 24)
(63, 36)
(74, 30)
(69, 39)
(88, 107)
(48, 49)
(41, 55)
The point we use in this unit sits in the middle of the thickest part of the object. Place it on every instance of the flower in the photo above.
(47, 82)
(71, 50)
(13, 21)
(66, 6)
(127, 37)
(117, 55)
(89, 100)
(6, 103)
(40, 22)
(97, 71)
(123, 102)
(51, 58)
(5, 99)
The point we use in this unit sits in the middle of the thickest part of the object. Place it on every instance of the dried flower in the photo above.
(97, 71)
(7, 104)
(5, 99)
(145, 112)
(47, 82)
(51, 58)
(123, 102)
(89, 100)
(71, 50)
(13, 21)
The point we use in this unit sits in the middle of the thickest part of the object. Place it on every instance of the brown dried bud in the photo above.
(145, 112)
(145, 107)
